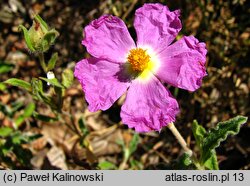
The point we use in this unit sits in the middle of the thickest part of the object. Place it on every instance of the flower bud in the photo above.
(39, 37)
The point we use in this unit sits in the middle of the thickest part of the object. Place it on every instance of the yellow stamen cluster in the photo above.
(138, 59)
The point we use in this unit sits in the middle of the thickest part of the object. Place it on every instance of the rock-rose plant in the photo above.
(120, 66)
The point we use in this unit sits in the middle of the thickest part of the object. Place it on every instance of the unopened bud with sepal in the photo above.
(39, 37)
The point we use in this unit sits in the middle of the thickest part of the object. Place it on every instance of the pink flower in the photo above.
(119, 65)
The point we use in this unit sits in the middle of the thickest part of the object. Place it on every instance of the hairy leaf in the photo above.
(212, 163)
(184, 162)
(199, 133)
(218, 134)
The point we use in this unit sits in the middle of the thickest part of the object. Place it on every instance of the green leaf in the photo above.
(49, 39)
(27, 38)
(83, 127)
(216, 135)
(199, 133)
(18, 83)
(2, 86)
(44, 117)
(5, 131)
(5, 109)
(184, 162)
(37, 92)
(53, 81)
(133, 144)
(136, 165)
(10, 111)
(212, 163)
(29, 110)
(67, 78)
(106, 165)
(23, 155)
(19, 120)
(121, 143)
(49, 101)
(4, 150)
(37, 88)
(26, 114)
(21, 138)
(18, 138)
(52, 61)
(4, 68)
(41, 21)
(15, 106)
(33, 137)
(186, 159)
(51, 36)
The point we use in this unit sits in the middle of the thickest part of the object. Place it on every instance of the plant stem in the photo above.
(61, 119)
(123, 164)
(72, 123)
(42, 62)
(180, 139)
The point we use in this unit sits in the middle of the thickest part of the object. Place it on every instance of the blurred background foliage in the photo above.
(99, 140)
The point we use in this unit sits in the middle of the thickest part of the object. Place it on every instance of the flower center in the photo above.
(138, 59)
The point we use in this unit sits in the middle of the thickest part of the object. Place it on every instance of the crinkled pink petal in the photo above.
(148, 106)
(156, 26)
(108, 38)
(101, 81)
(183, 63)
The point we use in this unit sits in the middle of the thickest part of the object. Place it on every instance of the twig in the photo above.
(123, 164)
(42, 62)
(180, 139)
